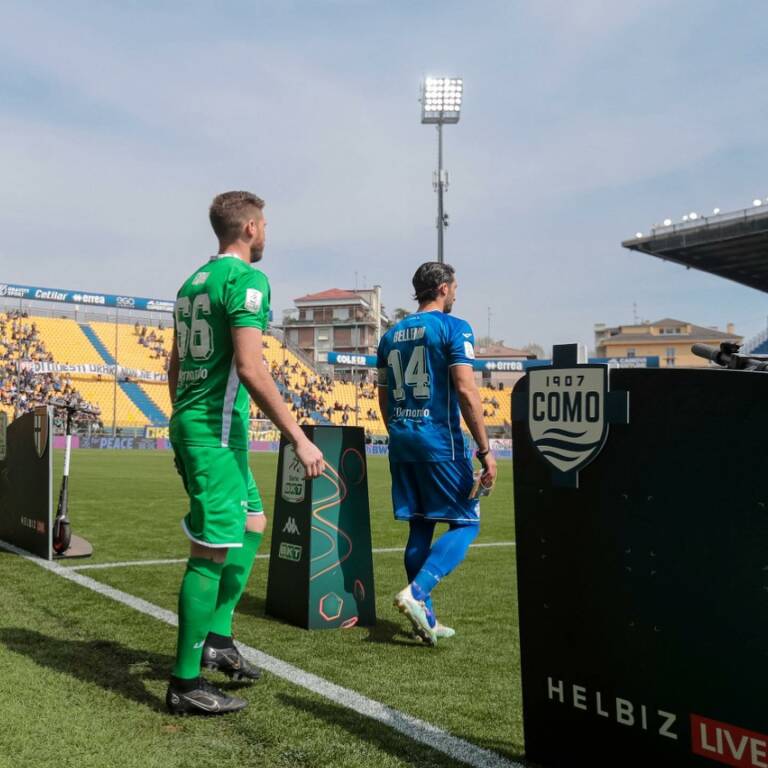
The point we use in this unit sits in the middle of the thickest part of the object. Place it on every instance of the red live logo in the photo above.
(728, 744)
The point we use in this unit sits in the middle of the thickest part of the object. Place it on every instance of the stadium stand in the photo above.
(140, 398)
(23, 342)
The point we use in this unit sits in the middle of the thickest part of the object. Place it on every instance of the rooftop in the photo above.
(332, 294)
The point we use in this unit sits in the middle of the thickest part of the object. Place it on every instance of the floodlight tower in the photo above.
(441, 104)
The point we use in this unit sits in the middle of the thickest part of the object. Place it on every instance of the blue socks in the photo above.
(427, 564)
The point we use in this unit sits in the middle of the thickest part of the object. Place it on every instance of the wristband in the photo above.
(482, 454)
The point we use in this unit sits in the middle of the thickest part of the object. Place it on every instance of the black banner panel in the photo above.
(25, 483)
(643, 572)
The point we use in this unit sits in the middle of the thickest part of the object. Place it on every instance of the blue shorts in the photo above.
(436, 490)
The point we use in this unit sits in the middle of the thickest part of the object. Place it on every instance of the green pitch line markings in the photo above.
(412, 727)
(176, 561)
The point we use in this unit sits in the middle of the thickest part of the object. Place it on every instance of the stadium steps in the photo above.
(142, 400)
(134, 392)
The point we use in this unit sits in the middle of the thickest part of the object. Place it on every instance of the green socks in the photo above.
(209, 593)
(197, 605)
(234, 577)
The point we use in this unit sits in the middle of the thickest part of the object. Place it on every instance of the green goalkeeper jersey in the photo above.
(212, 406)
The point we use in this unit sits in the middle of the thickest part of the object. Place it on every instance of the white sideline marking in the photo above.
(174, 561)
(413, 727)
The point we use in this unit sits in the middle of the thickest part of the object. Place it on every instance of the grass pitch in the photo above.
(84, 677)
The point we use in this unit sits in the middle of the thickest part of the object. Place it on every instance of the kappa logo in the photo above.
(568, 409)
(291, 527)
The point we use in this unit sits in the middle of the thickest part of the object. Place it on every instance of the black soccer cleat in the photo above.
(205, 699)
(231, 662)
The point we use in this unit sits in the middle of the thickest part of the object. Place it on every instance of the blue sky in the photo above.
(583, 123)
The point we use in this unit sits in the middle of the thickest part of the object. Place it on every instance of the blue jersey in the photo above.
(414, 361)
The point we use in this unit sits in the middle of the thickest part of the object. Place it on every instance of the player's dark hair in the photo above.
(429, 277)
(230, 211)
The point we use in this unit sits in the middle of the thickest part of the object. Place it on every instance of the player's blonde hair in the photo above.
(230, 211)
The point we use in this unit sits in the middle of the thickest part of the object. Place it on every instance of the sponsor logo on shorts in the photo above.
(290, 552)
(291, 527)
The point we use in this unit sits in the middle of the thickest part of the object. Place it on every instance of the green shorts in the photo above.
(221, 492)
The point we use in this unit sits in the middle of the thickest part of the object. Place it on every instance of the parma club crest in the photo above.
(568, 408)
(41, 430)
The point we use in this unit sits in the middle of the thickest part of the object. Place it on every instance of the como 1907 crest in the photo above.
(566, 414)
(568, 408)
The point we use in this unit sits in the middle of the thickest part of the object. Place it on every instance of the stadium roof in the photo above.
(729, 245)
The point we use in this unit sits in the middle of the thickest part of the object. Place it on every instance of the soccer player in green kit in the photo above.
(217, 361)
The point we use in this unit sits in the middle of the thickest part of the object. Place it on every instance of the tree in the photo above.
(532, 348)
(487, 341)
(399, 314)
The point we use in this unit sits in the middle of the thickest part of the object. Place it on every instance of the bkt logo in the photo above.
(291, 527)
(291, 552)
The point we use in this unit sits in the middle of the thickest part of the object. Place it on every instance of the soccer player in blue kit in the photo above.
(425, 378)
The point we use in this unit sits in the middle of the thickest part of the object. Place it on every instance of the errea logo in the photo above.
(291, 527)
